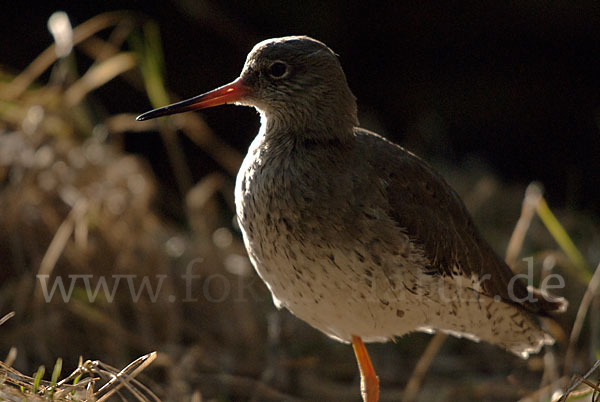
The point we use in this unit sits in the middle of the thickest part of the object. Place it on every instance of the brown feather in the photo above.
(435, 218)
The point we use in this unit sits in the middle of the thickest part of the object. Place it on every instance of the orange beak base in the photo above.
(229, 93)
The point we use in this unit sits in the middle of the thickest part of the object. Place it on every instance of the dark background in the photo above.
(482, 89)
(511, 85)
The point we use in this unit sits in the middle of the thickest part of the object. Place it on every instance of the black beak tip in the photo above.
(142, 117)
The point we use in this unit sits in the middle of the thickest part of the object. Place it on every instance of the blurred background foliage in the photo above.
(495, 95)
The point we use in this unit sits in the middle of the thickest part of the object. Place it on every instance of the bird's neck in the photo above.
(285, 129)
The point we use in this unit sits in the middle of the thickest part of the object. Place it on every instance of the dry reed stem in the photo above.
(577, 380)
(98, 75)
(127, 375)
(414, 383)
(591, 291)
(7, 317)
(41, 63)
(533, 195)
(59, 242)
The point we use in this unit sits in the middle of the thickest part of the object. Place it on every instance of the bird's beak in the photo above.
(229, 93)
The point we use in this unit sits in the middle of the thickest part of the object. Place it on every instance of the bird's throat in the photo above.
(277, 128)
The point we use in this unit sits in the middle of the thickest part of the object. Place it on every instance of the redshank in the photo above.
(352, 233)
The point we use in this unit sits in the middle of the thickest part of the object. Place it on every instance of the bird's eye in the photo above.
(278, 69)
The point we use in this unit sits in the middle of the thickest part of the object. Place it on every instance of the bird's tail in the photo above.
(541, 302)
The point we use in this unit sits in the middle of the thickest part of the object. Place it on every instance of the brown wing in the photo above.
(434, 217)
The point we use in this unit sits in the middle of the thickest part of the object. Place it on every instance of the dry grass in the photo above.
(91, 381)
(74, 202)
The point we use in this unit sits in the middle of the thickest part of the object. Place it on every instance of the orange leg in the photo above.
(369, 383)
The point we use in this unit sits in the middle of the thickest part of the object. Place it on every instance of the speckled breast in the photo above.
(320, 259)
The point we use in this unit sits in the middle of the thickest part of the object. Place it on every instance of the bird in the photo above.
(352, 233)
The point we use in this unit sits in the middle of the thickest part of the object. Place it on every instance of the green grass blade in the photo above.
(582, 270)
(38, 378)
(55, 375)
(56, 372)
(148, 48)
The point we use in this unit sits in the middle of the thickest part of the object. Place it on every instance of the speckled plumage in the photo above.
(353, 234)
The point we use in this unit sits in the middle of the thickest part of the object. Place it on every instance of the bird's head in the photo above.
(295, 82)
